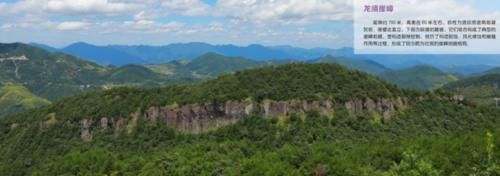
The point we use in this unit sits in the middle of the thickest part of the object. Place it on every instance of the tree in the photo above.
(413, 164)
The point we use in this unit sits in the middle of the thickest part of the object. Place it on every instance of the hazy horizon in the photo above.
(175, 43)
(304, 24)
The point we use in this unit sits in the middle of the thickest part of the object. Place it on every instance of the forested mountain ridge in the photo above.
(211, 65)
(52, 75)
(482, 89)
(495, 70)
(486, 80)
(295, 82)
(132, 131)
(367, 66)
(419, 77)
(48, 75)
(268, 91)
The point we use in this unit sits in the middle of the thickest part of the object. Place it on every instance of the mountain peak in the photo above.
(426, 67)
(79, 44)
(328, 56)
(210, 55)
(104, 55)
(13, 45)
(368, 66)
(43, 46)
(256, 46)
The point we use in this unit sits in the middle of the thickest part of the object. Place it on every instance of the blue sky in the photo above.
(484, 5)
(302, 23)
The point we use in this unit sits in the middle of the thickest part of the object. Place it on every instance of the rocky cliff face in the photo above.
(385, 107)
(201, 118)
(198, 118)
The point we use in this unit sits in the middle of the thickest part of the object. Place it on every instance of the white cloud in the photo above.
(69, 7)
(186, 7)
(72, 25)
(214, 26)
(285, 11)
(146, 15)
(104, 7)
(147, 26)
(6, 26)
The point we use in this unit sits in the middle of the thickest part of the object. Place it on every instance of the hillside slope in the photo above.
(367, 66)
(419, 77)
(283, 83)
(216, 64)
(48, 75)
(304, 119)
(495, 70)
(480, 89)
(210, 65)
(17, 98)
(53, 75)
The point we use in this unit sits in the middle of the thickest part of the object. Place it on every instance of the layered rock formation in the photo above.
(200, 118)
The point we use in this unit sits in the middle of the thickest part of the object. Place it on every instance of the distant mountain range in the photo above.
(119, 55)
(50, 75)
(210, 65)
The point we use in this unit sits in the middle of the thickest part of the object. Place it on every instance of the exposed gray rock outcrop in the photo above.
(200, 118)
(85, 129)
(458, 98)
(14, 126)
(386, 107)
